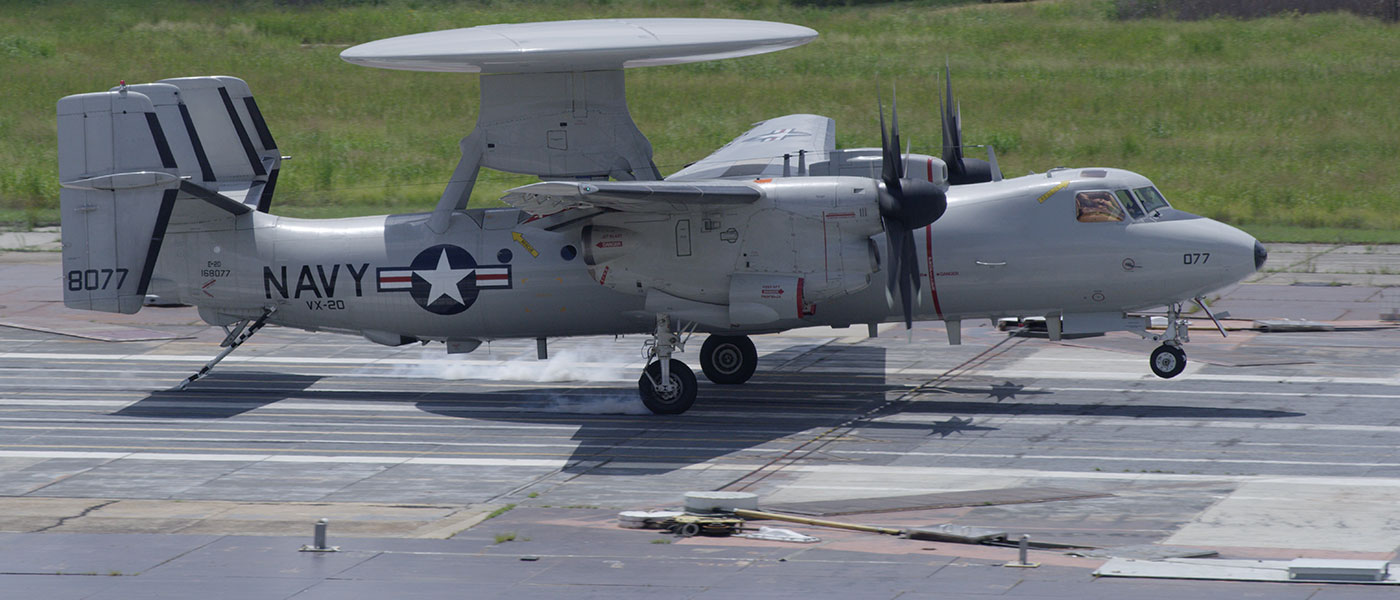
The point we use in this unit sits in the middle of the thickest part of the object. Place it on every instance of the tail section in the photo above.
(132, 157)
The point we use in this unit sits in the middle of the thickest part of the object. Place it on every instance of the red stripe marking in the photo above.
(930, 169)
(396, 279)
(932, 286)
(481, 276)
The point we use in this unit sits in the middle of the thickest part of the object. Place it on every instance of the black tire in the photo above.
(1168, 361)
(728, 359)
(689, 530)
(677, 402)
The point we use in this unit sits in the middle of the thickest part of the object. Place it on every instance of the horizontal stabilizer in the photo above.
(551, 197)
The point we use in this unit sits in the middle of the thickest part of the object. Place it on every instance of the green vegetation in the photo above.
(1285, 125)
(500, 511)
(508, 536)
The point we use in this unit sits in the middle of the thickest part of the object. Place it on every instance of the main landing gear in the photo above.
(667, 386)
(728, 359)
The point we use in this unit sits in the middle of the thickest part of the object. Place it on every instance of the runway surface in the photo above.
(1271, 445)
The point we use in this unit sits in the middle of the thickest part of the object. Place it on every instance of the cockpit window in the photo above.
(1129, 203)
(1151, 198)
(1096, 207)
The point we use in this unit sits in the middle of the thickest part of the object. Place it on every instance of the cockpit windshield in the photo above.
(1129, 203)
(1151, 198)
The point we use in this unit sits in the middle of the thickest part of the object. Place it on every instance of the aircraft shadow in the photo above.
(819, 387)
(220, 395)
(747, 422)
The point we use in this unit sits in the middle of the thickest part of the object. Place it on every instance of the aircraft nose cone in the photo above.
(1261, 254)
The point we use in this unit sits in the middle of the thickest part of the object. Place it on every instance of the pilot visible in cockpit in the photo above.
(1096, 207)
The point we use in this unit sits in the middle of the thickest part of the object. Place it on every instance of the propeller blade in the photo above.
(894, 135)
(905, 205)
(903, 279)
(888, 173)
(895, 233)
(952, 129)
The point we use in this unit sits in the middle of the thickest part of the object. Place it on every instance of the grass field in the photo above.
(1287, 126)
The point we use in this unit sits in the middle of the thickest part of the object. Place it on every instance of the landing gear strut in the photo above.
(728, 359)
(667, 386)
(1169, 359)
(234, 338)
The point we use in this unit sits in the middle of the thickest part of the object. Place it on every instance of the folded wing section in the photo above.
(760, 151)
(638, 196)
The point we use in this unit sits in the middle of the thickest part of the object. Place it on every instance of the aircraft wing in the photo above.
(551, 197)
(759, 151)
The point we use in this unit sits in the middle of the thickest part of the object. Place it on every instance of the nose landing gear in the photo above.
(1169, 359)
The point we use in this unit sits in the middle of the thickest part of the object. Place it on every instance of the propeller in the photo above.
(905, 205)
(960, 170)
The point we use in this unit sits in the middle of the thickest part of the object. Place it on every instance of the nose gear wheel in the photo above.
(1168, 361)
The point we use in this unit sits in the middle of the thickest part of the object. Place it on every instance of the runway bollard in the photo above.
(318, 540)
(1023, 552)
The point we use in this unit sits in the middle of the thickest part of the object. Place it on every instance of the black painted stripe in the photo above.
(242, 134)
(205, 170)
(219, 201)
(265, 201)
(167, 204)
(167, 159)
(259, 124)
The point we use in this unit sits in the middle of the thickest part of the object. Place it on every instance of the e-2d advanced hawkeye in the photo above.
(167, 188)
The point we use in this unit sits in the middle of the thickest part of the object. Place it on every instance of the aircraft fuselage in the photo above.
(1008, 248)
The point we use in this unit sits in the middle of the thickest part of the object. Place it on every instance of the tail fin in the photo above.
(226, 137)
(127, 155)
(119, 186)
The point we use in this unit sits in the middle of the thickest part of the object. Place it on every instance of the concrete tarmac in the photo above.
(496, 475)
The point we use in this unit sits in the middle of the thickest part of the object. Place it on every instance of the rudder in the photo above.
(120, 182)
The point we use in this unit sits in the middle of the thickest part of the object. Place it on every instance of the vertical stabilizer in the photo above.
(224, 143)
(120, 181)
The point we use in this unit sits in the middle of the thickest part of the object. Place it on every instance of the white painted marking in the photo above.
(899, 473)
(1009, 373)
(1113, 458)
(932, 420)
(303, 458)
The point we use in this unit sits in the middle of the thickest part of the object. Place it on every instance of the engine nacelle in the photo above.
(602, 244)
(805, 241)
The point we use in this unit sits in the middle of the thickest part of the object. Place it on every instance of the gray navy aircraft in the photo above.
(167, 188)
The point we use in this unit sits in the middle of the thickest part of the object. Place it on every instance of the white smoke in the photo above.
(563, 366)
(571, 365)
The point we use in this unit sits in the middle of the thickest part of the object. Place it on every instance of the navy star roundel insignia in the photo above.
(444, 279)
